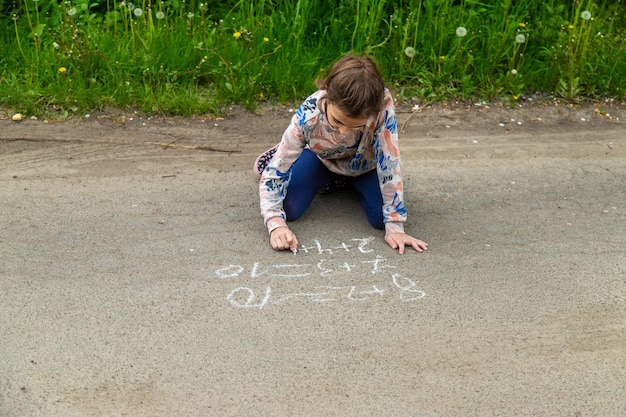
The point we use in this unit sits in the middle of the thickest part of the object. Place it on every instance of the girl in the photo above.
(344, 134)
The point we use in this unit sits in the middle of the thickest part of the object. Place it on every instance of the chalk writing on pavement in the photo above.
(257, 293)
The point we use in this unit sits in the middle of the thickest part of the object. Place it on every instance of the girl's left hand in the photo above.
(400, 240)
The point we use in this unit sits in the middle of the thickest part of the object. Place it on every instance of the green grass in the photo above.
(189, 57)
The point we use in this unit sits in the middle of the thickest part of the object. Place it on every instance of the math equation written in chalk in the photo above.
(261, 289)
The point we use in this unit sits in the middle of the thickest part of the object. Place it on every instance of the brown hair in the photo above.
(355, 86)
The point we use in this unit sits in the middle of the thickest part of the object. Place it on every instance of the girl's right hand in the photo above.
(283, 238)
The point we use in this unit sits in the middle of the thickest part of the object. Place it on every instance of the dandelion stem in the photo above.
(19, 42)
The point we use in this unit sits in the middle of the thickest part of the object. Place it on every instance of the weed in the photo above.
(192, 56)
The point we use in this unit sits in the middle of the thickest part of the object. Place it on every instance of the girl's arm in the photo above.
(389, 171)
(275, 179)
(387, 155)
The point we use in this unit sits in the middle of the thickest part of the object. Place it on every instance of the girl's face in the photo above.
(342, 123)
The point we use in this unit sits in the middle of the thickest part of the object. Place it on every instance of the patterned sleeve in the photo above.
(387, 154)
(275, 179)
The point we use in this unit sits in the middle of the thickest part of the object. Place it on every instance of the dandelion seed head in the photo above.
(138, 12)
(409, 51)
(461, 31)
(190, 15)
(520, 38)
(586, 15)
(160, 15)
(514, 71)
(72, 11)
(131, 6)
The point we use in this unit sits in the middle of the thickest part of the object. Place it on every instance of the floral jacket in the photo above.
(375, 146)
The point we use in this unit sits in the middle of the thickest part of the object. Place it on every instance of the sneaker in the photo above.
(262, 161)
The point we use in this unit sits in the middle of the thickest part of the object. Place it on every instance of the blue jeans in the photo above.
(309, 175)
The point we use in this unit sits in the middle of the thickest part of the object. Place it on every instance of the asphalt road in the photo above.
(138, 281)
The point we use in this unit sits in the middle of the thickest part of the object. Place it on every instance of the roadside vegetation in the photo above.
(188, 57)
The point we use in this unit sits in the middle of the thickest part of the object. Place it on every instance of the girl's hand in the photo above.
(283, 238)
(400, 240)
